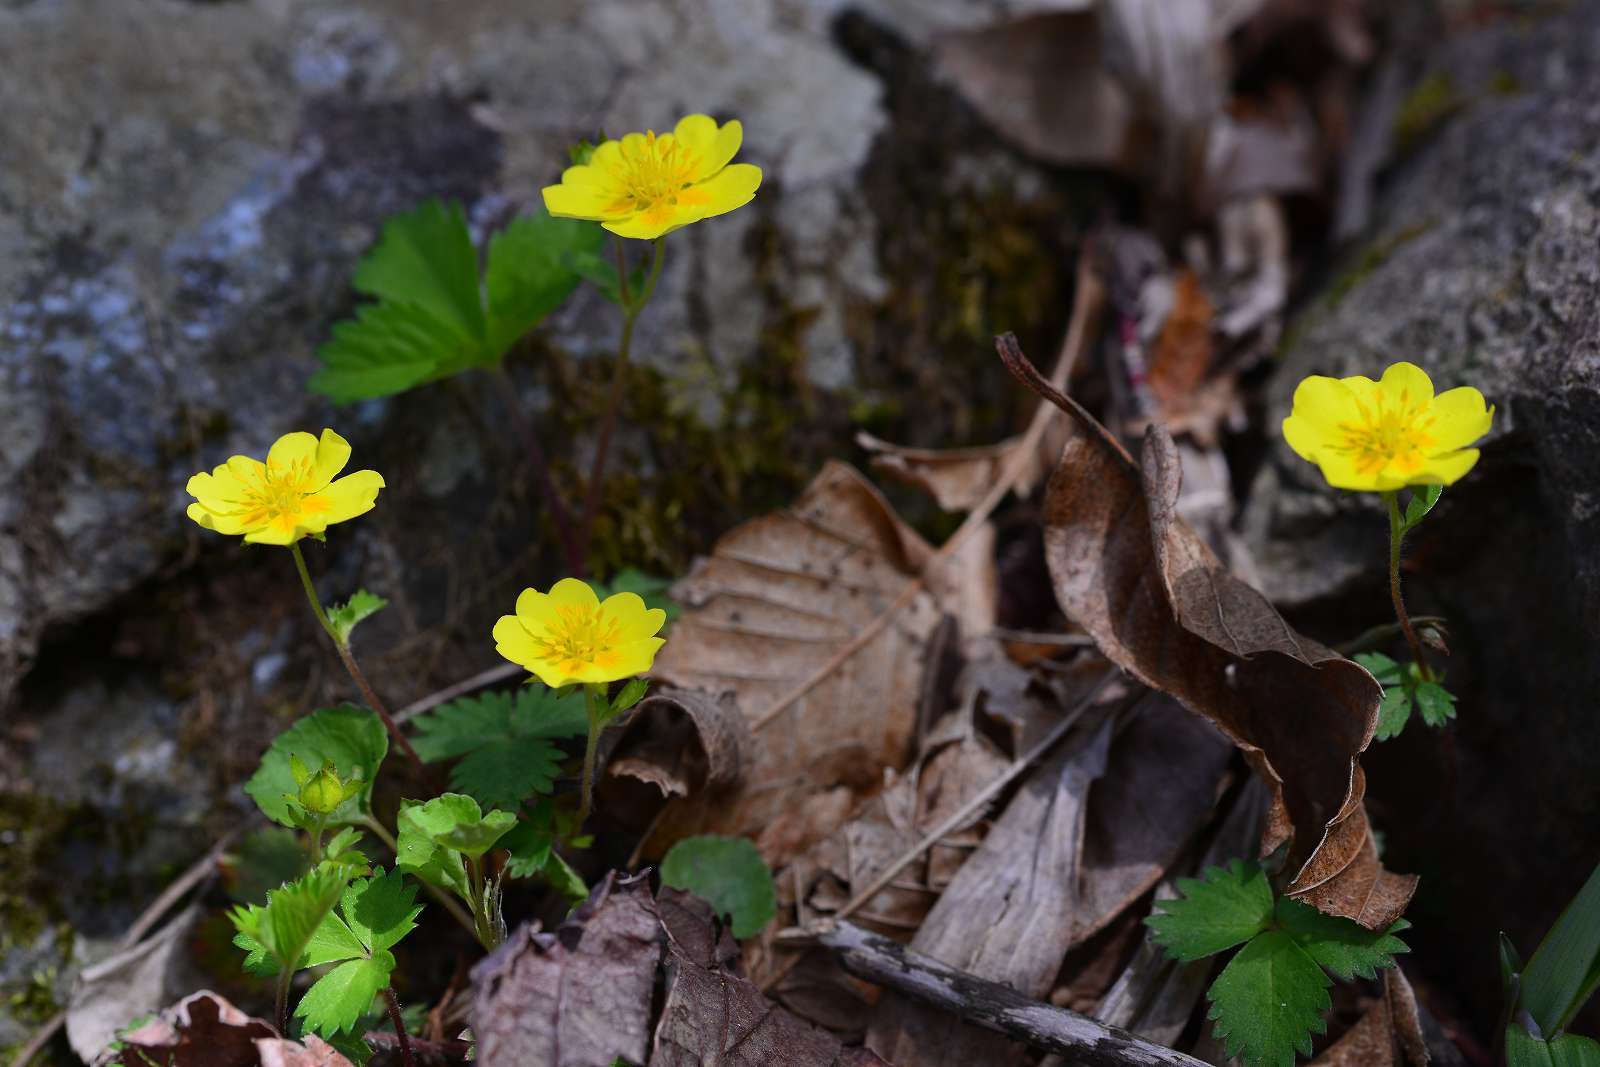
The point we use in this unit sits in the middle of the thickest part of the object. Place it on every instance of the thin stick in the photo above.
(991, 1005)
(391, 1002)
(1086, 307)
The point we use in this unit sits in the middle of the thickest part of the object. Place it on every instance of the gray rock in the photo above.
(1482, 268)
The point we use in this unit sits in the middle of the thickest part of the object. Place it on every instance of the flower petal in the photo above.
(1406, 384)
(290, 449)
(1460, 418)
(276, 532)
(634, 620)
(333, 452)
(1446, 469)
(221, 522)
(715, 146)
(352, 495)
(513, 641)
(633, 657)
(579, 200)
(734, 186)
(575, 592)
(221, 490)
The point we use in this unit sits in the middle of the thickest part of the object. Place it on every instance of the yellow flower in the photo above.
(568, 635)
(1379, 436)
(289, 496)
(647, 185)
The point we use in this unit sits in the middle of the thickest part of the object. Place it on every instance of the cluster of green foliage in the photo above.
(1545, 995)
(1271, 997)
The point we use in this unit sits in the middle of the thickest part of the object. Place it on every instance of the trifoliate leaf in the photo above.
(1566, 1050)
(1341, 945)
(1227, 906)
(431, 319)
(1384, 669)
(531, 271)
(344, 994)
(425, 257)
(1394, 712)
(362, 605)
(380, 910)
(729, 874)
(1269, 1000)
(505, 740)
(1435, 703)
(352, 738)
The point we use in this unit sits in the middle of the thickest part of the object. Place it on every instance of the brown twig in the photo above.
(1089, 300)
(989, 1004)
(392, 1003)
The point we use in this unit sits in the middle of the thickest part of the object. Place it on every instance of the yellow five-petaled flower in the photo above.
(1378, 436)
(289, 496)
(568, 635)
(649, 184)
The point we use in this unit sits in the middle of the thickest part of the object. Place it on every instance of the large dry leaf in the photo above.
(714, 1015)
(1008, 915)
(204, 1030)
(577, 997)
(778, 597)
(681, 741)
(1160, 605)
(129, 985)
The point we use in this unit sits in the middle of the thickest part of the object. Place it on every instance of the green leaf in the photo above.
(425, 258)
(1269, 1000)
(1227, 906)
(420, 855)
(1436, 703)
(1510, 968)
(361, 606)
(344, 994)
(1384, 669)
(1423, 498)
(506, 740)
(334, 941)
(385, 349)
(630, 695)
(1566, 1050)
(532, 270)
(352, 738)
(1342, 946)
(282, 931)
(1394, 712)
(381, 910)
(728, 873)
(1561, 974)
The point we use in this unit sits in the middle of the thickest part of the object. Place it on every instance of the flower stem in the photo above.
(586, 800)
(354, 670)
(281, 999)
(1396, 535)
(571, 548)
(393, 1004)
(632, 305)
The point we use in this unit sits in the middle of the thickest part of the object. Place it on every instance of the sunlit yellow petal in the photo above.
(1307, 439)
(576, 202)
(636, 657)
(575, 592)
(274, 533)
(642, 228)
(1460, 418)
(291, 449)
(634, 620)
(1407, 384)
(733, 187)
(513, 641)
(352, 495)
(713, 146)
(244, 468)
(1446, 469)
(333, 452)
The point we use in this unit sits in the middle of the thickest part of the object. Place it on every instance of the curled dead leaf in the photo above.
(1158, 603)
(205, 1030)
(682, 741)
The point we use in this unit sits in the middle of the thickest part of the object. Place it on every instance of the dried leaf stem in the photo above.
(1087, 303)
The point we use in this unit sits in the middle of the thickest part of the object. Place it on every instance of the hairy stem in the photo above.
(392, 1002)
(354, 670)
(586, 799)
(1391, 499)
(632, 305)
(571, 548)
(281, 1000)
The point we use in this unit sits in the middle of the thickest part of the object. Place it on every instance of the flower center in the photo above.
(281, 497)
(1388, 433)
(655, 178)
(581, 636)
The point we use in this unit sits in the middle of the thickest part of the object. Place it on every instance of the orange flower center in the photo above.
(656, 178)
(581, 636)
(1388, 433)
(281, 497)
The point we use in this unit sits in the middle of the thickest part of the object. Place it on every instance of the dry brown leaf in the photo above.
(713, 1015)
(778, 597)
(682, 741)
(1001, 919)
(956, 478)
(204, 1030)
(130, 985)
(1160, 605)
(576, 997)
(1405, 1017)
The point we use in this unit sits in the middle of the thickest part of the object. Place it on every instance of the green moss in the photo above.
(1370, 259)
(1430, 102)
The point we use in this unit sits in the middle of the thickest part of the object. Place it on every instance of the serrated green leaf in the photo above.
(283, 929)
(1562, 972)
(343, 995)
(385, 349)
(420, 855)
(529, 844)
(1382, 668)
(425, 258)
(381, 910)
(455, 821)
(361, 606)
(1566, 1050)
(1269, 1000)
(729, 874)
(506, 740)
(352, 738)
(1393, 713)
(532, 270)
(1226, 907)
(334, 941)
(1342, 946)
(1435, 703)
